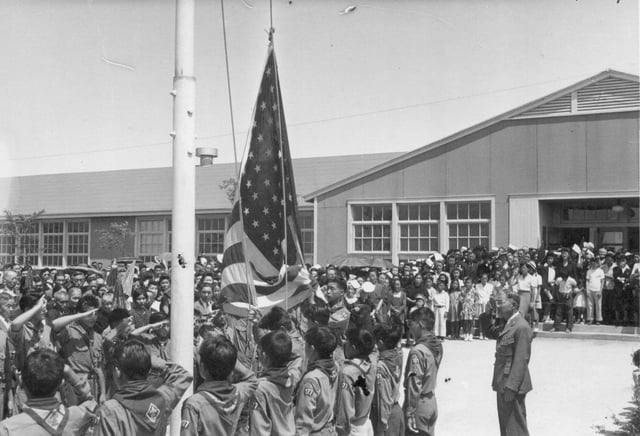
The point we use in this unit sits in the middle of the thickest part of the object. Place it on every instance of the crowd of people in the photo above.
(81, 354)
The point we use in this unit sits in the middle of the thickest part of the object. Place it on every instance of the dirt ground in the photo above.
(577, 386)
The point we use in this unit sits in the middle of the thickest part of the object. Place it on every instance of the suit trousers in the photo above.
(512, 416)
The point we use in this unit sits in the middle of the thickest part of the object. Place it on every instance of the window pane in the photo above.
(485, 210)
(463, 230)
(413, 244)
(358, 245)
(403, 212)
(484, 230)
(404, 244)
(377, 245)
(463, 211)
(366, 245)
(414, 210)
(435, 211)
(386, 213)
(474, 229)
(434, 230)
(404, 231)
(358, 231)
(367, 213)
(413, 231)
(366, 231)
(386, 246)
(357, 213)
(453, 230)
(452, 212)
(474, 211)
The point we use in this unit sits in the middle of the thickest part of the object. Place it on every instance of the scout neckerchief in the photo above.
(54, 422)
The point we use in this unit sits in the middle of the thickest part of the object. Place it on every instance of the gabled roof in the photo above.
(149, 190)
(608, 91)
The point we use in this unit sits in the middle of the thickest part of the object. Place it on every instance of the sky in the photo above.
(85, 83)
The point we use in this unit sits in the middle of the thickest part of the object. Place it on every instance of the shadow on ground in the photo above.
(626, 423)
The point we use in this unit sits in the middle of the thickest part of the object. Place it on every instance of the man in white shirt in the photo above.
(595, 282)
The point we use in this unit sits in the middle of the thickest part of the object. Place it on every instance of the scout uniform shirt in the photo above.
(272, 404)
(82, 350)
(355, 394)
(387, 391)
(47, 416)
(216, 406)
(513, 350)
(419, 385)
(316, 399)
(140, 408)
(339, 321)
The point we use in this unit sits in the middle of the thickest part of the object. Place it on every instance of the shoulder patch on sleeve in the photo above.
(185, 424)
(308, 391)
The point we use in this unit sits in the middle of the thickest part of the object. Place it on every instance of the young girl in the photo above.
(139, 310)
(398, 301)
(468, 300)
(579, 303)
(454, 309)
(440, 309)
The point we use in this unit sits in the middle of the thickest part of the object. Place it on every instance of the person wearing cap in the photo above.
(567, 286)
(511, 377)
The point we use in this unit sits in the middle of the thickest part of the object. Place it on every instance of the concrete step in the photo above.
(584, 331)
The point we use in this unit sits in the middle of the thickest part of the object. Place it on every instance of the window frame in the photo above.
(210, 231)
(353, 223)
(418, 221)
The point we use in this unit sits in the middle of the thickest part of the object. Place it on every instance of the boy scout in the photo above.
(511, 379)
(216, 406)
(140, 407)
(81, 346)
(357, 384)
(272, 404)
(43, 413)
(386, 414)
(420, 407)
(318, 388)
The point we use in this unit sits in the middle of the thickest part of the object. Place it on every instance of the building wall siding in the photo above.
(588, 153)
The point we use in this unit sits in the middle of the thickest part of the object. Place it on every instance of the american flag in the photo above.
(263, 260)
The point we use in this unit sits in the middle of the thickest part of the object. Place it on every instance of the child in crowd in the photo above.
(440, 309)
(468, 299)
(453, 317)
(579, 303)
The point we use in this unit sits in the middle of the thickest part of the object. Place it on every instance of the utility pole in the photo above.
(183, 214)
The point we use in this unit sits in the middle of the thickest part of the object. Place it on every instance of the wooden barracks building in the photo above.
(558, 170)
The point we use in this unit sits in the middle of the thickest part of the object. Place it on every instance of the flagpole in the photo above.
(183, 213)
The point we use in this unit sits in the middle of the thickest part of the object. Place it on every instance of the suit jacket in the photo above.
(513, 351)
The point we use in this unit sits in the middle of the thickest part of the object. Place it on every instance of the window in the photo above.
(6, 246)
(372, 228)
(468, 224)
(153, 237)
(77, 242)
(211, 235)
(306, 233)
(31, 247)
(418, 225)
(52, 243)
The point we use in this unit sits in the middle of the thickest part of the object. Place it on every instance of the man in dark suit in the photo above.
(511, 378)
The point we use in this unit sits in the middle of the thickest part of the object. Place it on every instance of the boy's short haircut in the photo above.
(157, 317)
(275, 319)
(28, 300)
(388, 334)
(277, 346)
(88, 302)
(425, 316)
(117, 315)
(42, 373)
(323, 340)
(339, 281)
(218, 356)
(362, 340)
(133, 359)
(6, 297)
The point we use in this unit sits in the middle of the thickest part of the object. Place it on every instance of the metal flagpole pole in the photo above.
(183, 214)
